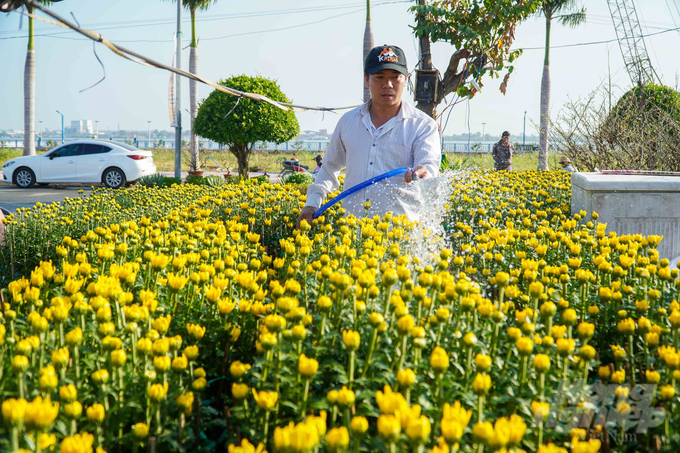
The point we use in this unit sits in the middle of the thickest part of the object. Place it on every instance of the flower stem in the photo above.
(403, 352)
(15, 439)
(350, 369)
(480, 408)
(304, 398)
(374, 338)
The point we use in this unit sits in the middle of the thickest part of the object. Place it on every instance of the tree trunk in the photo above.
(545, 100)
(242, 154)
(368, 45)
(29, 93)
(426, 63)
(193, 94)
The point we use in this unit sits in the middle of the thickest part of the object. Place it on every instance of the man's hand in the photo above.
(306, 214)
(419, 172)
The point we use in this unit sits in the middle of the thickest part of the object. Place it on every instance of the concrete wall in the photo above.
(632, 204)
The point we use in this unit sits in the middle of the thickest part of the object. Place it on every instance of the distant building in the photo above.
(82, 127)
(323, 132)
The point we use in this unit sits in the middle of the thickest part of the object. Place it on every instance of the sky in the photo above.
(313, 49)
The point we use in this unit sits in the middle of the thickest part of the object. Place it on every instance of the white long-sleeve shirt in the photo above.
(409, 139)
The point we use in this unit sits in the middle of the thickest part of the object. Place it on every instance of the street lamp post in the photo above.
(96, 128)
(483, 132)
(524, 131)
(62, 126)
(40, 141)
(149, 143)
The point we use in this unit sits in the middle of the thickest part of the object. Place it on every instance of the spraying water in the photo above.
(429, 236)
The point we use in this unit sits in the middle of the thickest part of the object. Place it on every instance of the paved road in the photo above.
(11, 197)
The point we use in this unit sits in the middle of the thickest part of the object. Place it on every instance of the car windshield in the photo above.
(126, 146)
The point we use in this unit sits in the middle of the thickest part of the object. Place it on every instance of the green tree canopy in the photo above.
(482, 31)
(240, 122)
(654, 99)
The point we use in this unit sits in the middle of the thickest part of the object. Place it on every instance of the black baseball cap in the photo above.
(385, 57)
(506, 133)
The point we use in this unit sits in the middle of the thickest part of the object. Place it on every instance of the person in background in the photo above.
(566, 165)
(318, 160)
(502, 153)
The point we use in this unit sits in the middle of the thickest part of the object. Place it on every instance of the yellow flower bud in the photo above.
(345, 397)
(524, 346)
(337, 439)
(13, 411)
(100, 377)
(406, 378)
(73, 410)
(542, 363)
(238, 369)
(19, 364)
(118, 358)
(191, 352)
(140, 430)
(352, 339)
(239, 391)
(481, 384)
(389, 427)
(157, 393)
(439, 360)
(265, 400)
(540, 410)
(418, 429)
(162, 363)
(68, 393)
(96, 413)
(199, 384)
(180, 363)
(307, 367)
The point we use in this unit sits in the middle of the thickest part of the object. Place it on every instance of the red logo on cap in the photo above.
(387, 55)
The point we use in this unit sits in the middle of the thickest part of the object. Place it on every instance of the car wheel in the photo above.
(114, 178)
(24, 178)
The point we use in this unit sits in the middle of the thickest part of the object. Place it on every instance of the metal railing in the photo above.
(291, 146)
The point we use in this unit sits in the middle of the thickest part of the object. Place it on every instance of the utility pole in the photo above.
(149, 130)
(178, 96)
(483, 133)
(524, 131)
(40, 130)
(368, 45)
(96, 128)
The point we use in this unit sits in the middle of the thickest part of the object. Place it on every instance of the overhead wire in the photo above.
(156, 22)
(591, 43)
(670, 10)
(146, 61)
(643, 22)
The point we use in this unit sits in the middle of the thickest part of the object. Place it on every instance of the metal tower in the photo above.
(631, 42)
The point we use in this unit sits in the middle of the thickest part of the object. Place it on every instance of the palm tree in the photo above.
(368, 45)
(29, 88)
(192, 6)
(572, 17)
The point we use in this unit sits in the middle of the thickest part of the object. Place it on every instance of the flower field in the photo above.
(197, 318)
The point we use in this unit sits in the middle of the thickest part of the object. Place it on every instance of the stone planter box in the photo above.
(632, 204)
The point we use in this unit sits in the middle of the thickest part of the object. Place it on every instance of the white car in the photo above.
(113, 164)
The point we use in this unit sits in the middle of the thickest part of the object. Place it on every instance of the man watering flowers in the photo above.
(382, 135)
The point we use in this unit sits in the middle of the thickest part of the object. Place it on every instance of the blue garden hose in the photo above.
(363, 185)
